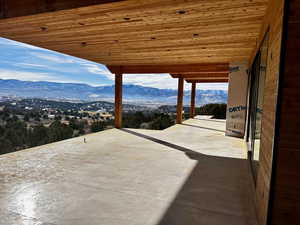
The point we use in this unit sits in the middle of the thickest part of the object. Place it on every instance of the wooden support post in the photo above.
(118, 100)
(193, 96)
(180, 100)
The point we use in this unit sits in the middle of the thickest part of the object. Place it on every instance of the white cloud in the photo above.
(56, 61)
(36, 76)
(94, 96)
(29, 65)
(50, 68)
(21, 75)
(97, 69)
(165, 81)
(58, 58)
(151, 80)
(213, 86)
(54, 64)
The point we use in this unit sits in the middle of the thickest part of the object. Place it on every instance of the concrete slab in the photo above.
(120, 177)
(202, 135)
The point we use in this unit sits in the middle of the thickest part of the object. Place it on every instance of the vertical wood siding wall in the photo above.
(273, 24)
(285, 190)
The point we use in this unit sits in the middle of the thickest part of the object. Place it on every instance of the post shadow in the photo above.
(217, 191)
(206, 128)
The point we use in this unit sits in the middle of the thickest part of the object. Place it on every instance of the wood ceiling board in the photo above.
(134, 69)
(133, 32)
(133, 27)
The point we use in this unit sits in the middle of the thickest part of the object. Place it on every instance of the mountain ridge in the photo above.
(84, 92)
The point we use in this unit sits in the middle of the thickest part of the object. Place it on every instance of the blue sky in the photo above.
(26, 62)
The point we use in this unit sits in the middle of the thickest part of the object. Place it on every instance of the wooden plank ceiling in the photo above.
(135, 32)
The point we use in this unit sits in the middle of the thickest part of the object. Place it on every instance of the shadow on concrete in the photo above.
(207, 128)
(217, 192)
(187, 151)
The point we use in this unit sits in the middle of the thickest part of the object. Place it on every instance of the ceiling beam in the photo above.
(208, 78)
(173, 69)
(200, 75)
(16, 8)
(207, 81)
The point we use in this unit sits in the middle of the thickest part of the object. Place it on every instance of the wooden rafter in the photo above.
(180, 100)
(201, 75)
(193, 100)
(199, 68)
(118, 100)
(207, 80)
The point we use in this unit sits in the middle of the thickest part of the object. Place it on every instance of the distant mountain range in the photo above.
(131, 93)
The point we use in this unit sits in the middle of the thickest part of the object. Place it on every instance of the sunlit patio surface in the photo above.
(189, 174)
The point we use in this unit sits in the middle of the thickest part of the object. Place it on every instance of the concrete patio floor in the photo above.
(189, 174)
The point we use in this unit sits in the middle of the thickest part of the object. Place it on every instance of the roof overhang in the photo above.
(17, 8)
(132, 32)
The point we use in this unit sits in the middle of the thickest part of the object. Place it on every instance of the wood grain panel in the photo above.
(273, 24)
(133, 32)
(193, 100)
(285, 208)
(180, 100)
(118, 100)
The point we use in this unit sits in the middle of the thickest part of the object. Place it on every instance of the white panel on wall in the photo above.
(237, 101)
